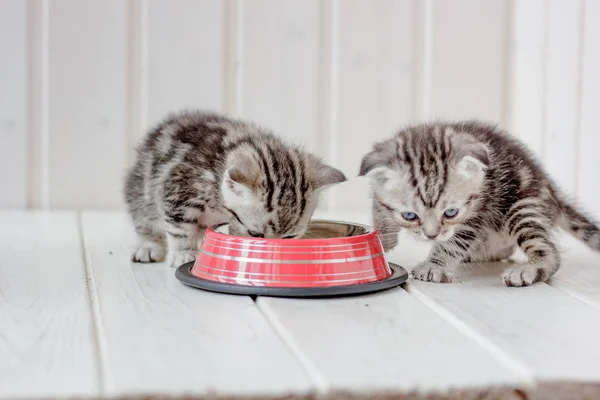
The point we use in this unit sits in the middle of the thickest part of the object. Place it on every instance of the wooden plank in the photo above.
(160, 336)
(185, 59)
(385, 342)
(13, 103)
(374, 86)
(561, 103)
(588, 186)
(280, 76)
(87, 113)
(468, 59)
(46, 338)
(530, 325)
(527, 67)
(579, 274)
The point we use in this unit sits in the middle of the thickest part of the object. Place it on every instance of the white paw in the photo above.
(177, 259)
(524, 275)
(148, 252)
(430, 272)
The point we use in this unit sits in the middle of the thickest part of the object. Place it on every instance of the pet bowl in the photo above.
(334, 258)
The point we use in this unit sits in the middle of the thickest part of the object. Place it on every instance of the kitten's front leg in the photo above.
(444, 258)
(530, 226)
(386, 227)
(181, 243)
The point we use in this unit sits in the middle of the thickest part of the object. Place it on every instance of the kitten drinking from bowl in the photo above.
(196, 168)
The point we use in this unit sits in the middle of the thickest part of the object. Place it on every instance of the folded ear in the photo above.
(326, 176)
(241, 178)
(472, 157)
(382, 155)
(321, 174)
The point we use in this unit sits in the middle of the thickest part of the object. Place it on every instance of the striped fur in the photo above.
(504, 198)
(197, 168)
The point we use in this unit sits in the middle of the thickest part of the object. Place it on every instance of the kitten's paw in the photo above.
(524, 275)
(148, 252)
(429, 272)
(176, 259)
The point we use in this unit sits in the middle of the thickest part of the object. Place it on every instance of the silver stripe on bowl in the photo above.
(319, 251)
(202, 267)
(271, 261)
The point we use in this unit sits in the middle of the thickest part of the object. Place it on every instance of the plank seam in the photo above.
(492, 348)
(94, 303)
(574, 294)
(311, 371)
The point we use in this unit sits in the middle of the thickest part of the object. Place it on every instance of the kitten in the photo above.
(474, 191)
(197, 168)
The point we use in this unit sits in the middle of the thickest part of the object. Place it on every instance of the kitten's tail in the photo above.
(579, 225)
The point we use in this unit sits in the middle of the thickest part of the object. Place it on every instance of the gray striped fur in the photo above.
(198, 168)
(505, 199)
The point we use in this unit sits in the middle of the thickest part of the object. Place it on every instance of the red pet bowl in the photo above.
(337, 258)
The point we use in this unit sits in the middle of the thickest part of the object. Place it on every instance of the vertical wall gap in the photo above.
(327, 85)
(38, 135)
(233, 56)
(137, 74)
(546, 18)
(506, 72)
(580, 68)
(427, 63)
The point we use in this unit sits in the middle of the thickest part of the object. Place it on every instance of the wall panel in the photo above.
(375, 68)
(13, 103)
(185, 56)
(588, 184)
(561, 105)
(468, 65)
(87, 109)
(280, 76)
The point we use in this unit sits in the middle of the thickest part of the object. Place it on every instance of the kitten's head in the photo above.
(271, 190)
(427, 179)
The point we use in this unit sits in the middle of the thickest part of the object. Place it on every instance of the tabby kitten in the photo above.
(197, 168)
(474, 191)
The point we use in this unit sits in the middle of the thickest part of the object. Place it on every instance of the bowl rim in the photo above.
(299, 242)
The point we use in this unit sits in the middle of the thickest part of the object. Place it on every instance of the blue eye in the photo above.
(409, 216)
(451, 212)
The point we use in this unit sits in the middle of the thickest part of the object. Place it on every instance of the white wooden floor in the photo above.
(77, 319)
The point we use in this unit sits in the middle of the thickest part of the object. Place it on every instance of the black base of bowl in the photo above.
(398, 277)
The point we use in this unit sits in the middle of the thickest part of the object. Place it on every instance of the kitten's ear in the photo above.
(238, 176)
(321, 174)
(242, 176)
(382, 156)
(326, 176)
(371, 161)
(472, 157)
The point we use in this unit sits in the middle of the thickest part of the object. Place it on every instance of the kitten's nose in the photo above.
(431, 237)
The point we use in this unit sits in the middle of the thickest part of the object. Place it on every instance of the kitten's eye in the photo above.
(409, 216)
(255, 234)
(289, 237)
(451, 212)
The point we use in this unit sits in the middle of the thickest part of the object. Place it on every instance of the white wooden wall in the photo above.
(80, 81)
